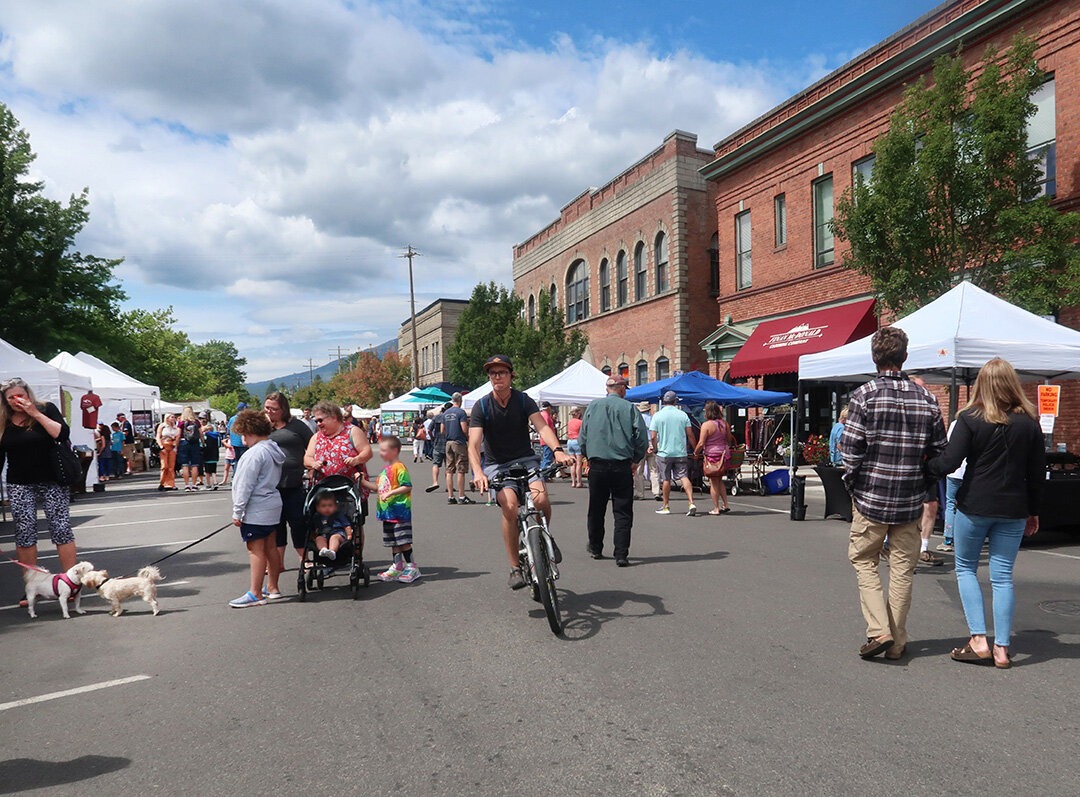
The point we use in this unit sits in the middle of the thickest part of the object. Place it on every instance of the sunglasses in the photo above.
(319, 421)
(498, 373)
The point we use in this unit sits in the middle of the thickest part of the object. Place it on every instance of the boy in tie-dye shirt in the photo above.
(394, 509)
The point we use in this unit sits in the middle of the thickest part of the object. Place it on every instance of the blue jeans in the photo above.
(547, 457)
(952, 487)
(1005, 535)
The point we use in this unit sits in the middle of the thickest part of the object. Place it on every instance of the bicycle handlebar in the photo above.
(515, 476)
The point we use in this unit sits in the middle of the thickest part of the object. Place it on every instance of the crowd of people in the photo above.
(890, 441)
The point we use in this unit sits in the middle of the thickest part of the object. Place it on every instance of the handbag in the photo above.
(67, 469)
(715, 467)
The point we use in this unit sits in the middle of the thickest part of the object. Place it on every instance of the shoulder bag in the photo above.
(66, 467)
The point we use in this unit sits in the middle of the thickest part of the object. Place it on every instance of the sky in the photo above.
(261, 164)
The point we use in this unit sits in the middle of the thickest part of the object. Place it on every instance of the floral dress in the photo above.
(334, 451)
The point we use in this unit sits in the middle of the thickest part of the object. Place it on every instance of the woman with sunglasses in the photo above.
(28, 429)
(292, 436)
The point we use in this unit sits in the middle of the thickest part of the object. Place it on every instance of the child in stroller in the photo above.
(325, 547)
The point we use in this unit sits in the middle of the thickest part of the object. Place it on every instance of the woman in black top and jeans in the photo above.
(28, 428)
(1001, 439)
(292, 436)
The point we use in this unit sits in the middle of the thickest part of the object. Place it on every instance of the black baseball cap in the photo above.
(498, 359)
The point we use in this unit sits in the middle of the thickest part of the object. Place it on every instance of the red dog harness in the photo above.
(64, 577)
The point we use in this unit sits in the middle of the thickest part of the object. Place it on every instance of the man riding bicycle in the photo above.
(501, 421)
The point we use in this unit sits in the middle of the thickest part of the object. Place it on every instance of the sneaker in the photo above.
(622, 561)
(247, 599)
(946, 547)
(691, 511)
(451, 500)
(465, 500)
(327, 553)
(595, 554)
(658, 498)
(271, 596)
(663, 511)
(516, 580)
(392, 573)
(410, 573)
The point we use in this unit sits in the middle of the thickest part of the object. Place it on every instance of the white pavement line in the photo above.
(111, 550)
(141, 522)
(69, 692)
(766, 508)
(1054, 553)
(88, 510)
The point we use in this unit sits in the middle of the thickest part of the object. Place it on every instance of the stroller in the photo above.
(314, 569)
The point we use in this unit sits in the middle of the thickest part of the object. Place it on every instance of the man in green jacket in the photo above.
(614, 439)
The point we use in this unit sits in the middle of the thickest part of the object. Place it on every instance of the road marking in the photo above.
(111, 550)
(82, 510)
(69, 692)
(141, 522)
(766, 508)
(1054, 553)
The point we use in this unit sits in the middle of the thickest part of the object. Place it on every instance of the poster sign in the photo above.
(1049, 399)
(1046, 423)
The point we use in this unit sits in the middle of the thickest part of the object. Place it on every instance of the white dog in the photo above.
(116, 590)
(40, 584)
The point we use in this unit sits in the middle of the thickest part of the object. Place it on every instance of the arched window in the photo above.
(624, 370)
(620, 275)
(661, 251)
(642, 372)
(553, 297)
(714, 265)
(532, 310)
(663, 368)
(577, 292)
(641, 273)
(605, 286)
(606, 370)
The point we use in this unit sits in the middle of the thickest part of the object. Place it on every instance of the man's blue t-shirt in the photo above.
(670, 424)
(117, 441)
(834, 444)
(235, 440)
(452, 420)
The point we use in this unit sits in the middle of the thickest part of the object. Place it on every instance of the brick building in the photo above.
(776, 182)
(436, 326)
(632, 264)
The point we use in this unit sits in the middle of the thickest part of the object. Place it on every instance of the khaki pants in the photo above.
(639, 476)
(864, 551)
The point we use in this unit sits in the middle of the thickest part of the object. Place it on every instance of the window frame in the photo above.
(744, 255)
(622, 284)
(714, 265)
(663, 367)
(661, 267)
(639, 377)
(1045, 152)
(605, 285)
(819, 228)
(780, 237)
(641, 272)
(577, 292)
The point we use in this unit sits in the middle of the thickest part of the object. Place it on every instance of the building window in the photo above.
(661, 250)
(1042, 138)
(424, 360)
(532, 310)
(553, 298)
(605, 286)
(780, 219)
(714, 265)
(434, 356)
(641, 273)
(663, 368)
(863, 170)
(743, 264)
(823, 216)
(577, 292)
(622, 287)
(624, 370)
(606, 370)
(641, 372)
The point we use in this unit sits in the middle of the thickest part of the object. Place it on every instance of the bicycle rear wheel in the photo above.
(545, 580)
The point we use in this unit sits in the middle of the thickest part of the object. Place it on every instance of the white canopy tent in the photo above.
(134, 389)
(402, 403)
(473, 396)
(579, 383)
(953, 336)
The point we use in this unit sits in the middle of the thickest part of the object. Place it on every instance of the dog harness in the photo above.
(64, 577)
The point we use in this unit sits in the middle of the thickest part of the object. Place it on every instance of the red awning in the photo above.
(775, 346)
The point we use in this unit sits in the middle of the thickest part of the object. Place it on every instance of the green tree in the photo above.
(309, 395)
(371, 381)
(542, 351)
(270, 388)
(158, 354)
(52, 297)
(953, 191)
(222, 362)
(226, 402)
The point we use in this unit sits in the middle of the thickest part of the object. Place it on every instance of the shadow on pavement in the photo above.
(1029, 647)
(677, 558)
(587, 612)
(22, 774)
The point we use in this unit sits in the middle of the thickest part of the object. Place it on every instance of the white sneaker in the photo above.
(393, 573)
(663, 511)
(410, 573)
(691, 511)
(327, 553)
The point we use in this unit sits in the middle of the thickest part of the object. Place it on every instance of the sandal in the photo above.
(1008, 658)
(969, 656)
(715, 512)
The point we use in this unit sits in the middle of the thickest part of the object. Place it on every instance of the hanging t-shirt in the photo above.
(89, 405)
(394, 508)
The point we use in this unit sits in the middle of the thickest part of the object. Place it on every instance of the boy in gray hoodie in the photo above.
(257, 505)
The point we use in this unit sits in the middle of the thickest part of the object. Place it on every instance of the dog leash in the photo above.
(180, 550)
(35, 568)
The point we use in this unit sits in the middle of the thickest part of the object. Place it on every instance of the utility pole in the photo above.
(310, 371)
(410, 253)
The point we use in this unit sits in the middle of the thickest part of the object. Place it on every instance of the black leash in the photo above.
(179, 550)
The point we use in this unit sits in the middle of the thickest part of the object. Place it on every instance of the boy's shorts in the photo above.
(210, 467)
(250, 532)
(396, 534)
(328, 533)
(438, 457)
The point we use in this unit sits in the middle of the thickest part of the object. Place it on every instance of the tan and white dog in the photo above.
(41, 584)
(115, 590)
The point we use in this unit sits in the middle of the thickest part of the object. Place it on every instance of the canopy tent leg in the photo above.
(954, 399)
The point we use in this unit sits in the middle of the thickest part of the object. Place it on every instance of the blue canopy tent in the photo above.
(695, 388)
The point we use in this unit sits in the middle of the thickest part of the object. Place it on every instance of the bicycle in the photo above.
(536, 548)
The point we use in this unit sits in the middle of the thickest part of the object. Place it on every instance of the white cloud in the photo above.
(277, 155)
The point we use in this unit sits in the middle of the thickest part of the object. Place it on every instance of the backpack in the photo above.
(191, 431)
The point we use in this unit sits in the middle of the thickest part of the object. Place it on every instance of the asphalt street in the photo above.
(723, 661)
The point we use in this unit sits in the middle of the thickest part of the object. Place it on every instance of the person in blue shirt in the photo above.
(235, 440)
(116, 443)
(834, 439)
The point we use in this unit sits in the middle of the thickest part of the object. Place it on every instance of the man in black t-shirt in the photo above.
(500, 422)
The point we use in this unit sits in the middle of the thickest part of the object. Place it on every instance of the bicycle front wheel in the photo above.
(545, 580)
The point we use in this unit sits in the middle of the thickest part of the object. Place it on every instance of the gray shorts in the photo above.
(672, 469)
(530, 463)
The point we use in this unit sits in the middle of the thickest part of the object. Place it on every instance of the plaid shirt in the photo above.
(893, 427)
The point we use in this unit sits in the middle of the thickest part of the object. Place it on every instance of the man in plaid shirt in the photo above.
(893, 427)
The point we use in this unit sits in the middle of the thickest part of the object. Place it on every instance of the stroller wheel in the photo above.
(734, 488)
(301, 587)
(354, 585)
(367, 576)
(321, 578)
